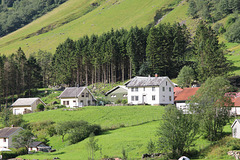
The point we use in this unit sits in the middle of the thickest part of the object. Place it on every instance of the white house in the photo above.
(26, 105)
(150, 90)
(236, 128)
(6, 135)
(77, 97)
(183, 96)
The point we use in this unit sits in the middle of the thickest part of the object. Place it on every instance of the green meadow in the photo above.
(76, 18)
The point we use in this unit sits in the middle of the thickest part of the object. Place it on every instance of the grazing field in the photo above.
(107, 117)
(76, 18)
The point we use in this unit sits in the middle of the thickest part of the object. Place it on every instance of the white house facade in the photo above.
(26, 105)
(236, 129)
(150, 90)
(74, 97)
(6, 135)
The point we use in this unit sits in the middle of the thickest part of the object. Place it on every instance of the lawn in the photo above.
(107, 117)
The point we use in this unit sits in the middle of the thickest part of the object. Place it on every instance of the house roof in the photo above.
(8, 131)
(26, 101)
(236, 120)
(115, 88)
(73, 92)
(177, 90)
(35, 144)
(186, 93)
(146, 81)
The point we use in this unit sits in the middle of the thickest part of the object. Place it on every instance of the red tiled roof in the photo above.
(186, 93)
(177, 90)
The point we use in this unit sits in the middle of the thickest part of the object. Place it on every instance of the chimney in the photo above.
(156, 75)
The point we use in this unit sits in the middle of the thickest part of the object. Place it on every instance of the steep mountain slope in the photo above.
(76, 18)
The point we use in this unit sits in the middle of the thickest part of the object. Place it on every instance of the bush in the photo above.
(124, 101)
(234, 143)
(118, 101)
(14, 153)
(40, 107)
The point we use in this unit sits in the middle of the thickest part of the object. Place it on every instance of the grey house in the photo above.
(117, 93)
(236, 128)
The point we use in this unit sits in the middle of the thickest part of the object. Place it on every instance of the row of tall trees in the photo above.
(119, 55)
(18, 74)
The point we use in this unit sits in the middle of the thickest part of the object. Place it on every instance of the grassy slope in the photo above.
(112, 117)
(133, 139)
(110, 14)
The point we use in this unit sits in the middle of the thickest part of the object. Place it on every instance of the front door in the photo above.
(144, 99)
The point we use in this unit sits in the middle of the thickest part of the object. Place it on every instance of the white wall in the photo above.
(79, 101)
(20, 110)
(4, 144)
(161, 97)
(235, 111)
(236, 130)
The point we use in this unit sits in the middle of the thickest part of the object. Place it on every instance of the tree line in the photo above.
(22, 12)
(117, 55)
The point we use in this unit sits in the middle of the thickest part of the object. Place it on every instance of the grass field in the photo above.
(107, 117)
(73, 19)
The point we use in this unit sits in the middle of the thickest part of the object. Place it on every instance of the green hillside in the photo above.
(76, 18)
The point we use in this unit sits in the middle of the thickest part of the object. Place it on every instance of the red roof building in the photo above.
(186, 94)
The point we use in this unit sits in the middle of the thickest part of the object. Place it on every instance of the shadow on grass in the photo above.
(59, 153)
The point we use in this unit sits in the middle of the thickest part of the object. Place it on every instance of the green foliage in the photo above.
(233, 143)
(92, 146)
(77, 130)
(166, 48)
(177, 132)
(233, 32)
(212, 107)
(151, 148)
(213, 10)
(22, 13)
(210, 55)
(40, 107)
(185, 77)
(14, 153)
(23, 139)
(124, 101)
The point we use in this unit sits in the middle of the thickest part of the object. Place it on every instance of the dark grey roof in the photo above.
(35, 144)
(71, 92)
(7, 131)
(115, 88)
(145, 81)
(26, 101)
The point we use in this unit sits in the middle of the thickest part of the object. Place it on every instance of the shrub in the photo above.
(124, 101)
(234, 143)
(118, 101)
(40, 107)
(14, 153)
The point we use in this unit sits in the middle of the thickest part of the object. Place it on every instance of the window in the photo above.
(163, 98)
(83, 95)
(74, 101)
(89, 102)
(132, 98)
(4, 140)
(153, 98)
(87, 94)
(64, 102)
(234, 132)
(125, 95)
(136, 89)
(67, 102)
(170, 98)
(143, 88)
(113, 95)
(136, 98)
(132, 89)
(170, 89)
(166, 83)
(163, 89)
(153, 88)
